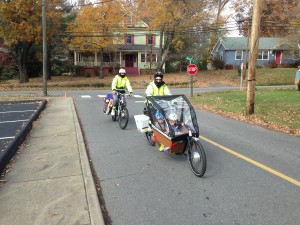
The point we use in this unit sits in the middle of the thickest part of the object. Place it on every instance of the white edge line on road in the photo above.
(18, 111)
(3, 138)
(85, 96)
(13, 121)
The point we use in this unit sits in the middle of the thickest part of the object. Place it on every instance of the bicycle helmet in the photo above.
(122, 72)
(173, 117)
(159, 115)
(158, 74)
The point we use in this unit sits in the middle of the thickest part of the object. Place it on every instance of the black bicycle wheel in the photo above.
(149, 136)
(196, 157)
(123, 118)
(114, 117)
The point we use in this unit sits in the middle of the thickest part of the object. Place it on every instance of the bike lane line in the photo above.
(266, 168)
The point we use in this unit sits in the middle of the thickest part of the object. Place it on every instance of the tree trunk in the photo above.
(22, 49)
(169, 37)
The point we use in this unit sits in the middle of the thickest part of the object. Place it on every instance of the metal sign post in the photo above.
(241, 83)
(192, 69)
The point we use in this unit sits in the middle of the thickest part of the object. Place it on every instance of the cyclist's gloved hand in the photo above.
(131, 94)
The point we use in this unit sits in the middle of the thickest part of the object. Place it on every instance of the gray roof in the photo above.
(236, 43)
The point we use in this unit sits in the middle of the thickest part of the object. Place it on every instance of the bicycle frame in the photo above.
(121, 111)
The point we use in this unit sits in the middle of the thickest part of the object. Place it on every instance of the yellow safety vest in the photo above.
(158, 91)
(121, 82)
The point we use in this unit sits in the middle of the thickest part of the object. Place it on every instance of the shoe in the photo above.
(122, 114)
(107, 112)
(113, 112)
(166, 149)
(161, 147)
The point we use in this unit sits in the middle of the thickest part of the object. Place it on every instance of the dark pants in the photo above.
(116, 98)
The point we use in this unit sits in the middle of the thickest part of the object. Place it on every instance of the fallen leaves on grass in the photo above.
(201, 79)
(253, 119)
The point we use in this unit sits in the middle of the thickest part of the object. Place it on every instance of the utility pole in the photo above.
(45, 55)
(151, 46)
(255, 30)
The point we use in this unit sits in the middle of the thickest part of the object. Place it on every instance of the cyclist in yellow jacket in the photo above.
(119, 85)
(158, 87)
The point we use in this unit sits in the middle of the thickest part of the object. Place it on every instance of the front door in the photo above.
(278, 57)
(129, 60)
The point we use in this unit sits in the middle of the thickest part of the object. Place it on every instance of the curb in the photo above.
(90, 188)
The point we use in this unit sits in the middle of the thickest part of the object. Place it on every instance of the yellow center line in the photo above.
(270, 170)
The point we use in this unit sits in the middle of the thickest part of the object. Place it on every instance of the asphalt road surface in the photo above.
(252, 177)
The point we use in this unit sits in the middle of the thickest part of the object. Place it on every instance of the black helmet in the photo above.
(158, 74)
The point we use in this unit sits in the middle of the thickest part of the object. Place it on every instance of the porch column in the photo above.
(120, 59)
(75, 58)
(96, 60)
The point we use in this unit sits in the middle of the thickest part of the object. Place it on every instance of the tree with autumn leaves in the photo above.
(280, 18)
(97, 27)
(180, 21)
(21, 27)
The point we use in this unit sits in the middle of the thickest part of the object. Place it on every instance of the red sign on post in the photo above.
(192, 69)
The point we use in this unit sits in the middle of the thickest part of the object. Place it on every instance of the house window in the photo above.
(129, 20)
(106, 57)
(238, 54)
(129, 39)
(143, 58)
(150, 39)
(221, 56)
(263, 55)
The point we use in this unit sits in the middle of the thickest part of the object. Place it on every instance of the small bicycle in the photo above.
(181, 143)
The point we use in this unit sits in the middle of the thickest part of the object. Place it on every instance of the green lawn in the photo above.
(279, 107)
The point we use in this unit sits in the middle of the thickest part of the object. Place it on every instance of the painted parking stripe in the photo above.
(85, 96)
(140, 101)
(4, 138)
(13, 121)
(266, 168)
(18, 111)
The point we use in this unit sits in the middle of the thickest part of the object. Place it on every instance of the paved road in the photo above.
(253, 174)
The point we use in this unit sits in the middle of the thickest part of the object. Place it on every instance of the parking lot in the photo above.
(16, 120)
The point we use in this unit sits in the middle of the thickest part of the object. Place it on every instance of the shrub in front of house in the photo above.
(218, 64)
(272, 64)
(59, 67)
(203, 64)
(228, 67)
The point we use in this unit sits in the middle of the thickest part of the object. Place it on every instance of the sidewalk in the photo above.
(51, 181)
